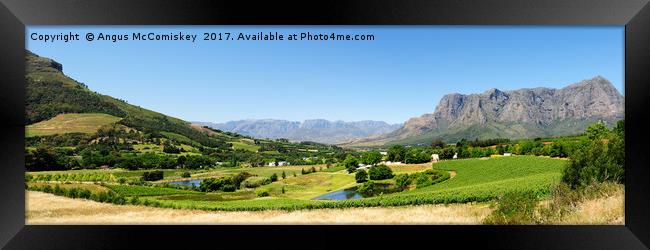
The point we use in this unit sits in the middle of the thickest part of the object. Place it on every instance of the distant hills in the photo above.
(522, 113)
(316, 130)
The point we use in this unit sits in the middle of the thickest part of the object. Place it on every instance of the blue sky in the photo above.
(403, 73)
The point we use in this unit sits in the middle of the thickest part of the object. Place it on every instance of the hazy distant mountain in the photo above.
(317, 130)
(522, 113)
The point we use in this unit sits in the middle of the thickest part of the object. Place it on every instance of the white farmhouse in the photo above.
(435, 157)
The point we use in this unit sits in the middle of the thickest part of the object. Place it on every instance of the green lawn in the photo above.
(70, 123)
(310, 186)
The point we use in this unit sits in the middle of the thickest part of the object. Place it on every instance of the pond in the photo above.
(345, 194)
(192, 183)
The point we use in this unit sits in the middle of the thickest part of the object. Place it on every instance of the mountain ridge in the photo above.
(515, 114)
(317, 130)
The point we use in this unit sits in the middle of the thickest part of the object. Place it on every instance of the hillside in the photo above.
(69, 126)
(49, 92)
(522, 113)
(317, 130)
(70, 123)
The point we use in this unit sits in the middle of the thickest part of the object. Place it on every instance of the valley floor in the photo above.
(43, 208)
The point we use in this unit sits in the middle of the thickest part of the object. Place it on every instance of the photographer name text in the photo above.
(197, 37)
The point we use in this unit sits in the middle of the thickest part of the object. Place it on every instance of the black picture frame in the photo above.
(634, 15)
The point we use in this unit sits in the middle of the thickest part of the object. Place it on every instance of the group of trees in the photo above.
(411, 155)
(379, 172)
(225, 184)
(600, 157)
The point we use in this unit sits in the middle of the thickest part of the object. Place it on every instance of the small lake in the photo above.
(192, 183)
(345, 194)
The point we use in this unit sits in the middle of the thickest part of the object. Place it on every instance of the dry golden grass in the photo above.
(609, 210)
(45, 208)
(70, 123)
(407, 168)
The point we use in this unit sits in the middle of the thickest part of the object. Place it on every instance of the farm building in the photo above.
(435, 157)
(507, 154)
(364, 166)
(279, 164)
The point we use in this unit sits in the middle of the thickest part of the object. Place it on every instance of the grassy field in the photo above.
(70, 123)
(475, 180)
(260, 171)
(245, 145)
(133, 190)
(311, 185)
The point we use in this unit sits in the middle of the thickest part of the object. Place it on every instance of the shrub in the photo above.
(222, 184)
(402, 181)
(262, 193)
(367, 188)
(515, 208)
(186, 175)
(351, 163)
(361, 176)
(152, 176)
(274, 177)
(121, 180)
(253, 182)
(380, 172)
(284, 175)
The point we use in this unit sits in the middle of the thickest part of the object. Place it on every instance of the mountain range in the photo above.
(317, 130)
(522, 113)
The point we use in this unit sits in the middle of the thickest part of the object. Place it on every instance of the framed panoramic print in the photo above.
(502, 124)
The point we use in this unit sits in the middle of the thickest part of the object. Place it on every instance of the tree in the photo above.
(396, 153)
(169, 148)
(402, 181)
(152, 176)
(274, 177)
(437, 143)
(380, 172)
(257, 161)
(351, 163)
(371, 158)
(43, 158)
(284, 175)
(596, 131)
(599, 158)
(447, 153)
(361, 176)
